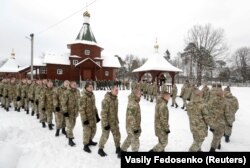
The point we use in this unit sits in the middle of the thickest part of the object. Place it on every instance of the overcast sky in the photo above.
(120, 26)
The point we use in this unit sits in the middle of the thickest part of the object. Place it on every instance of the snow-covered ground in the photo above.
(25, 144)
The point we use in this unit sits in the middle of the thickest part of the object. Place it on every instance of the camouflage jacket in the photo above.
(70, 102)
(87, 108)
(109, 111)
(58, 97)
(46, 99)
(233, 104)
(133, 115)
(161, 116)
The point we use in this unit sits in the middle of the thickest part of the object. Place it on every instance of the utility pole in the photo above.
(32, 55)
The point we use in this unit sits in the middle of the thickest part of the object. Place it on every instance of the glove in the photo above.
(171, 95)
(31, 100)
(107, 127)
(24, 97)
(57, 109)
(97, 117)
(188, 99)
(211, 129)
(6, 96)
(168, 131)
(1, 95)
(229, 125)
(43, 109)
(180, 96)
(37, 102)
(136, 131)
(66, 114)
(86, 122)
(18, 98)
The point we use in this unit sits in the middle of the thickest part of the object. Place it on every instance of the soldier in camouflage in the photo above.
(38, 88)
(31, 96)
(88, 113)
(133, 122)
(42, 103)
(233, 104)
(199, 120)
(6, 90)
(220, 118)
(161, 122)
(57, 102)
(205, 92)
(110, 121)
(70, 109)
(174, 95)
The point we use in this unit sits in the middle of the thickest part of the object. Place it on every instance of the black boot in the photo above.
(172, 105)
(151, 100)
(212, 149)
(27, 112)
(86, 149)
(32, 113)
(50, 127)
(176, 105)
(227, 139)
(71, 142)
(118, 149)
(57, 132)
(7, 109)
(44, 125)
(15, 108)
(37, 116)
(63, 131)
(219, 146)
(18, 109)
(182, 107)
(151, 150)
(92, 143)
(101, 153)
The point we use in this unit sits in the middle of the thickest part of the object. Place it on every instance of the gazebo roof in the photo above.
(157, 62)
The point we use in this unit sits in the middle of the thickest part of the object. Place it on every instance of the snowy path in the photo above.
(25, 144)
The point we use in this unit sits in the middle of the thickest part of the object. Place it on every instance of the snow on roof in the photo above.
(110, 61)
(38, 61)
(83, 42)
(86, 60)
(157, 62)
(74, 56)
(98, 58)
(10, 66)
(53, 58)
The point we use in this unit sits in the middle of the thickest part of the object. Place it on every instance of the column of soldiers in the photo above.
(107, 84)
(213, 108)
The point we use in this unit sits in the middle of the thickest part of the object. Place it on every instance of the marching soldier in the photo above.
(174, 94)
(161, 122)
(88, 112)
(110, 121)
(198, 120)
(70, 109)
(31, 96)
(42, 103)
(133, 122)
(57, 102)
(205, 92)
(38, 88)
(233, 104)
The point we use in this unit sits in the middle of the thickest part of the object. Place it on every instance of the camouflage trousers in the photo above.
(43, 116)
(173, 100)
(228, 131)
(184, 102)
(32, 106)
(14, 102)
(6, 102)
(162, 142)
(217, 135)
(88, 133)
(70, 124)
(198, 139)
(131, 140)
(49, 114)
(20, 103)
(2, 100)
(105, 135)
(60, 120)
(36, 107)
(26, 104)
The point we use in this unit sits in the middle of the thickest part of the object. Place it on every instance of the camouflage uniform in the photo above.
(145, 90)
(186, 95)
(31, 96)
(174, 94)
(205, 91)
(42, 104)
(199, 120)
(57, 102)
(6, 95)
(220, 115)
(154, 91)
(233, 104)
(37, 94)
(24, 96)
(110, 119)
(133, 124)
(88, 110)
(150, 92)
(133, 85)
(70, 106)
(161, 124)
(46, 104)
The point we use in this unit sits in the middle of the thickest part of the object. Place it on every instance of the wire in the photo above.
(62, 20)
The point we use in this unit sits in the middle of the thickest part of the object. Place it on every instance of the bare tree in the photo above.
(242, 61)
(204, 44)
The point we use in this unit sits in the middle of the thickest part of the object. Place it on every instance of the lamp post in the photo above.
(32, 54)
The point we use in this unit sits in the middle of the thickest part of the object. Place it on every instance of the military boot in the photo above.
(118, 149)
(212, 149)
(7, 109)
(63, 131)
(176, 105)
(227, 139)
(182, 107)
(50, 127)
(71, 142)
(15, 108)
(27, 112)
(102, 153)
(37, 116)
(32, 113)
(57, 132)
(219, 146)
(44, 125)
(86, 149)
(92, 143)
(18, 109)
